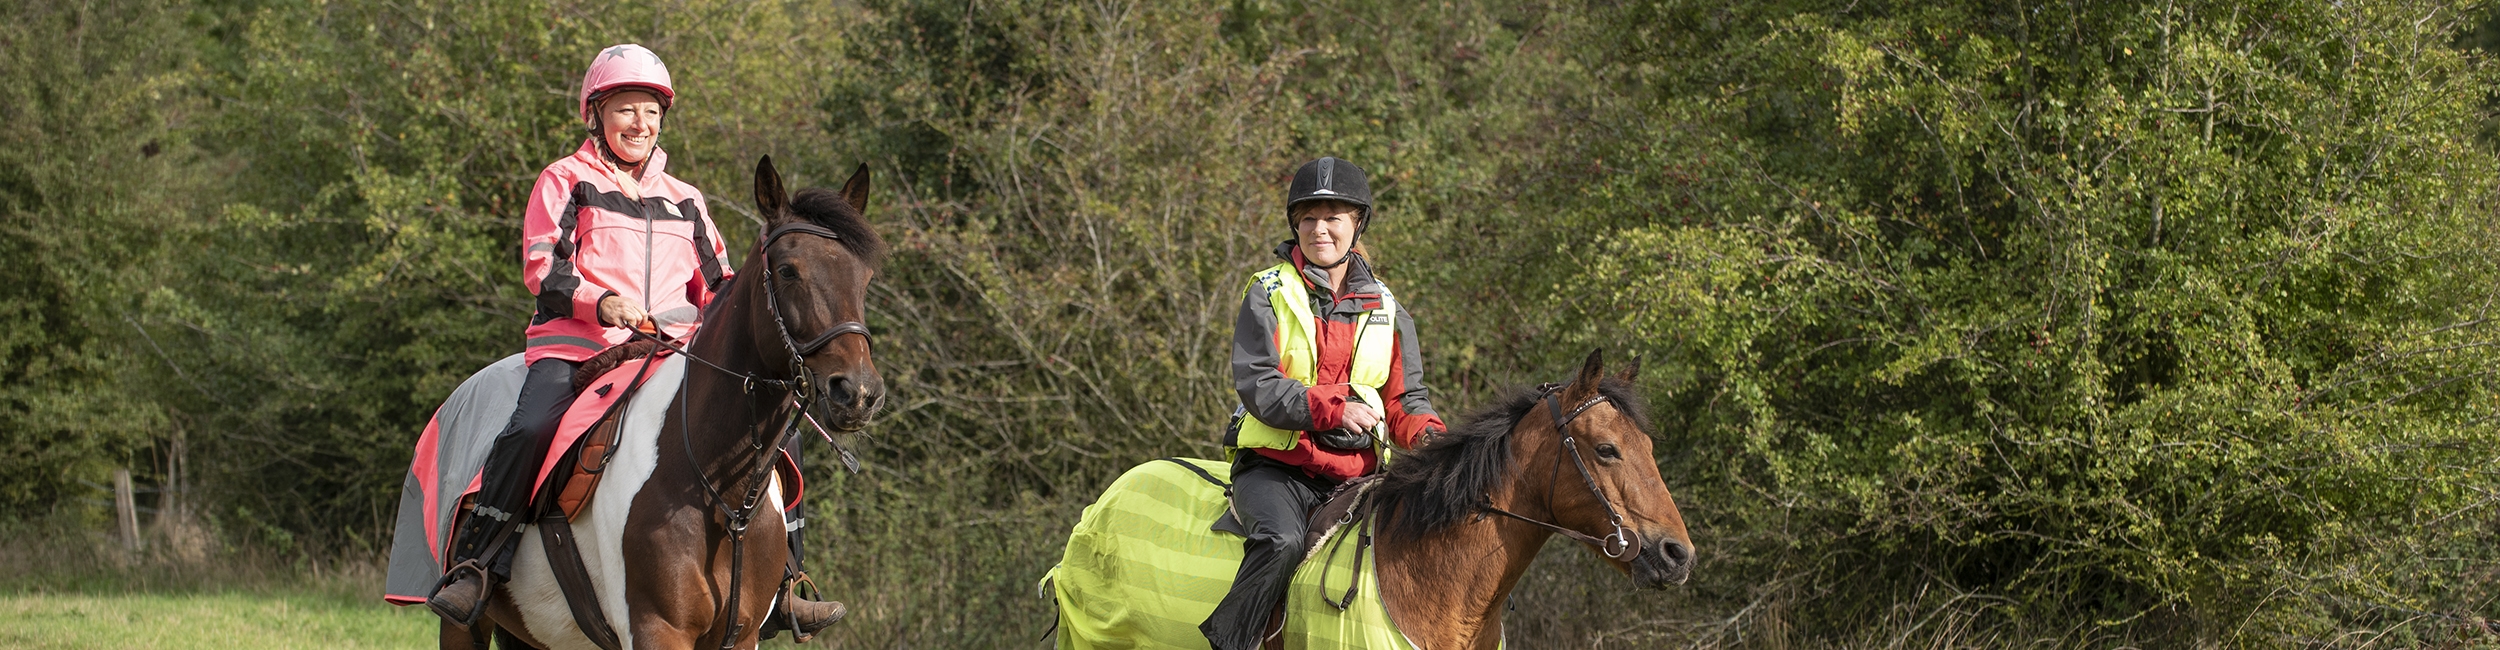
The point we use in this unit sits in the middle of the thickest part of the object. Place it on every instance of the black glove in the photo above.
(1342, 440)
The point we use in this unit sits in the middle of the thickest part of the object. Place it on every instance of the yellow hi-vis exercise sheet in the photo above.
(1142, 569)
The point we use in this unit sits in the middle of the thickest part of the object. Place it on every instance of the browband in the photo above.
(799, 227)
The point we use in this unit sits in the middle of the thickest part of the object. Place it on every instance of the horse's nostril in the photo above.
(1675, 553)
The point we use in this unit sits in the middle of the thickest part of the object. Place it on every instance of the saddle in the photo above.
(589, 457)
(1339, 508)
(584, 459)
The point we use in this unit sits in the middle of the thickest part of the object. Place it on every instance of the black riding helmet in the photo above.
(1331, 179)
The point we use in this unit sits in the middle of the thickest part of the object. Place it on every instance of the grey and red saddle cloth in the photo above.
(451, 455)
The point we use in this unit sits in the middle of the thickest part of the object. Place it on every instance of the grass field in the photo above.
(208, 620)
(62, 588)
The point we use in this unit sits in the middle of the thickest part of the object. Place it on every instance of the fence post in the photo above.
(126, 509)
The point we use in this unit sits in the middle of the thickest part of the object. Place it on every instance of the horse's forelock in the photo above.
(826, 208)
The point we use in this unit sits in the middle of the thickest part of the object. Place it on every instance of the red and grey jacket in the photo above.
(1272, 397)
(585, 238)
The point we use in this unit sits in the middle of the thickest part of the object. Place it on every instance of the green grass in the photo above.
(65, 586)
(208, 620)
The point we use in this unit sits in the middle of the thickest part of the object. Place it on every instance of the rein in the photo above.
(1623, 544)
(800, 392)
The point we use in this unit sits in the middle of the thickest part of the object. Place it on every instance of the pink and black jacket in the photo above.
(585, 238)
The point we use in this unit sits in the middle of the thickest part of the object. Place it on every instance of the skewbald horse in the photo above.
(657, 535)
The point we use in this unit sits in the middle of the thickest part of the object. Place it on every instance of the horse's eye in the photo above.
(788, 273)
(1609, 452)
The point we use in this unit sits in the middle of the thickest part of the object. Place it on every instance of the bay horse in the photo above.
(688, 507)
(1452, 527)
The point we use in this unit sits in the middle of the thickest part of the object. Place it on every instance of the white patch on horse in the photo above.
(601, 530)
(772, 498)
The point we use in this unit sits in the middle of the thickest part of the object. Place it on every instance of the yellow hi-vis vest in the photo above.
(1375, 338)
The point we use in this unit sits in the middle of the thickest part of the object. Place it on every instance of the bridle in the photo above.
(801, 392)
(772, 303)
(1624, 544)
(802, 383)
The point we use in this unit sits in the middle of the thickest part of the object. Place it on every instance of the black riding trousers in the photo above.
(513, 462)
(1273, 501)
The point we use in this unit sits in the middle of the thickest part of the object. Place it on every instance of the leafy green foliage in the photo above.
(98, 174)
(2178, 306)
(2092, 323)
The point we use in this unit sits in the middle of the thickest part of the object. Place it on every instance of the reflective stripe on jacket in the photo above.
(1300, 353)
(585, 237)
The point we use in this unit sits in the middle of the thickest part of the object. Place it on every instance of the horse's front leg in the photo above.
(456, 637)
(758, 579)
(669, 595)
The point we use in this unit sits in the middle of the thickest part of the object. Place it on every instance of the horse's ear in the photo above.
(1631, 371)
(855, 191)
(1590, 372)
(770, 201)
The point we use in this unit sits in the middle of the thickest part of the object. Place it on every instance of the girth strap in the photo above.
(564, 559)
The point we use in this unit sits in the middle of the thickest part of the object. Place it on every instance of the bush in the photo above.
(1967, 324)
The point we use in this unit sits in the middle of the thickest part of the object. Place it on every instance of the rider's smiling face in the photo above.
(1325, 230)
(630, 121)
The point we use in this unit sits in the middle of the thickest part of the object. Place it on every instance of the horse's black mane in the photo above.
(826, 208)
(1444, 483)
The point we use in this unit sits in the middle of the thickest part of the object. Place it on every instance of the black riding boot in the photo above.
(1272, 500)
(487, 535)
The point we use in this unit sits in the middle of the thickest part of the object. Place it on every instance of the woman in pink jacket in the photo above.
(611, 242)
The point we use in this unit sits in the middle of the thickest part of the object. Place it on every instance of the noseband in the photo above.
(1623, 544)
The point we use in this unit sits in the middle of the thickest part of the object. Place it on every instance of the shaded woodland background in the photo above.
(1976, 324)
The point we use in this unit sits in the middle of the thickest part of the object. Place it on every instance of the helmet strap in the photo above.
(1349, 254)
(599, 133)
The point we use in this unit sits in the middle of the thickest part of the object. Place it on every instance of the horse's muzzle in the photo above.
(1665, 562)
(848, 401)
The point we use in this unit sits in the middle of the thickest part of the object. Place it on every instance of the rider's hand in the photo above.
(616, 311)
(1353, 430)
(1360, 416)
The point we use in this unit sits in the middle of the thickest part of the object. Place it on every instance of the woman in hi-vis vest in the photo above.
(1328, 367)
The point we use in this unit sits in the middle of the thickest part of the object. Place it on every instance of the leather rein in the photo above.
(801, 392)
(1623, 544)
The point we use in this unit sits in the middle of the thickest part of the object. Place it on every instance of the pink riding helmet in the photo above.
(625, 65)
